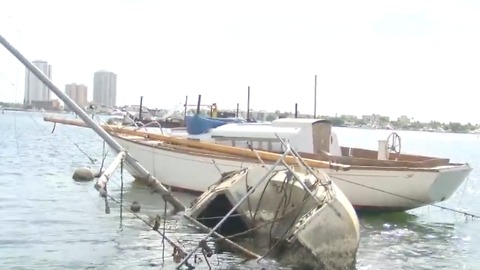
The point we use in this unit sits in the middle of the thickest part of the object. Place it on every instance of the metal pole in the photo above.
(315, 100)
(244, 197)
(199, 102)
(296, 110)
(186, 106)
(238, 108)
(98, 129)
(140, 112)
(248, 105)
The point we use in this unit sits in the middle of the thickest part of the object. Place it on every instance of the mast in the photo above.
(248, 105)
(185, 110)
(167, 196)
(315, 99)
(141, 108)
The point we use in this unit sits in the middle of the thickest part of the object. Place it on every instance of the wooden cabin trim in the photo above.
(372, 154)
(355, 161)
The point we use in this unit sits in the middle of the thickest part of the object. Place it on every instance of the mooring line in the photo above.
(408, 198)
(463, 191)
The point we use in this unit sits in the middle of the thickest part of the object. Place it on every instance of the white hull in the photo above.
(369, 189)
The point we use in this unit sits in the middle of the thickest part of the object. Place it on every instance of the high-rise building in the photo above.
(78, 93)
(36, 90)
(105, 88)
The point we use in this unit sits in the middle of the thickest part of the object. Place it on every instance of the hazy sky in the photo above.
(418, 58)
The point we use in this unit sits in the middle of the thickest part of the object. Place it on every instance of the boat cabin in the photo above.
(313, 138)
(305, 135)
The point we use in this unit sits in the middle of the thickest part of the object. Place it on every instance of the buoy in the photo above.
(135, 207)
(83, 175)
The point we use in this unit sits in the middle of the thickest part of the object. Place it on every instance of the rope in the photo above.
(104, 156)
(92, 160)
(408, 198)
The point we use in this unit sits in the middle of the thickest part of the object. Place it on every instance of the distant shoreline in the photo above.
(343, 126)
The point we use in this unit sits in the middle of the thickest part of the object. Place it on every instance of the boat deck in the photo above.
(354, 162)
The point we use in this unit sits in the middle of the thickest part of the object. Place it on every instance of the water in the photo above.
(48, 221)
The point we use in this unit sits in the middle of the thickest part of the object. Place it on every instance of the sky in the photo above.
(415, 58)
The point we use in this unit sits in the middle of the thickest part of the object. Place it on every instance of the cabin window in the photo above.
(258, 144)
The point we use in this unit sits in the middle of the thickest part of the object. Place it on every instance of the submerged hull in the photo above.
(378, 189)
(319, 226)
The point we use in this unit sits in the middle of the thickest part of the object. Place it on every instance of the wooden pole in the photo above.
(315, 100)
(103, 180)
(225, 149)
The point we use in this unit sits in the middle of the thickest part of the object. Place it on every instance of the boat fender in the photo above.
(83, 174)
(135, 207)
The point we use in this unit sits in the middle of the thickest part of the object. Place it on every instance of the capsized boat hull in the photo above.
(322, 229)
(393, 189)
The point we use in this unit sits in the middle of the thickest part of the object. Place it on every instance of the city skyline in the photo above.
(391, 58)
(104, 91)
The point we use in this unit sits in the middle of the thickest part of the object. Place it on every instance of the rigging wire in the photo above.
(463, 191)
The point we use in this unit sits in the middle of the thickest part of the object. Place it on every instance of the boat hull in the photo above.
(368, 189)
(321, 229)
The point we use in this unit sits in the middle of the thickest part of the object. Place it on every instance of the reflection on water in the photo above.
(50, 222)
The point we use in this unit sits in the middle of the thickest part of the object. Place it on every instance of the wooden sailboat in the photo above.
(383, 180)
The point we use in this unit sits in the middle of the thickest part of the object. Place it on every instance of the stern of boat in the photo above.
(447, 181)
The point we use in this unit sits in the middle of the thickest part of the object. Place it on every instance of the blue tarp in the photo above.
(197, 124)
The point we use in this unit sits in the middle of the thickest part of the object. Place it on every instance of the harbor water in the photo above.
(48, 221)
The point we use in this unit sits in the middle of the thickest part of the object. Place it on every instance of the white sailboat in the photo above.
(383, 180)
